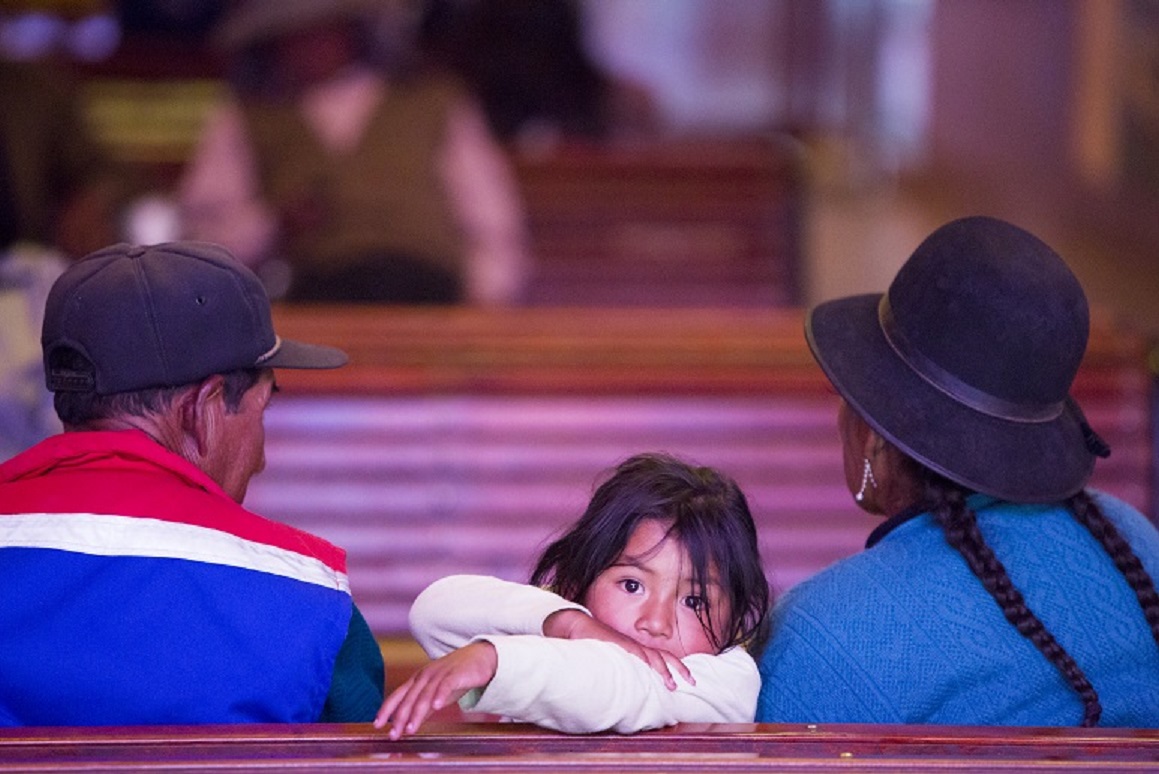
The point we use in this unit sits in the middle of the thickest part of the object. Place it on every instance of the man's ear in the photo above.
(201, 410)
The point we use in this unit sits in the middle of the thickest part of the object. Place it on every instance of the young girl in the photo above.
(650, 602)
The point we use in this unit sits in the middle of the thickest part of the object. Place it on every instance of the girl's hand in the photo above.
(572, 624)
(436, 685)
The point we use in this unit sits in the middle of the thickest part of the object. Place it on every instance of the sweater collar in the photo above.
(976, 502)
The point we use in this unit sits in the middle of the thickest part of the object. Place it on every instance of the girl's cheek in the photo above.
(696, 638)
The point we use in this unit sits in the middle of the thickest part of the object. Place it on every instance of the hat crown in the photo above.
(965, 363)
(992, 316)
(158, 316)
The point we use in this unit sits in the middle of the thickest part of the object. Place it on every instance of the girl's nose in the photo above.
(656, 618)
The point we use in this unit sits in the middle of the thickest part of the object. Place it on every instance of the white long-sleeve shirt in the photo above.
(577, 686)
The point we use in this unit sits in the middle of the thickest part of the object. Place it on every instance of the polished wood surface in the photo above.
(517, 747)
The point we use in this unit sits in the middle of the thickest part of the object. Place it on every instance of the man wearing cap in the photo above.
(137, 589)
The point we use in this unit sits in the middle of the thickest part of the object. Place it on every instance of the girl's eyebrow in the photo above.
(710, 583)
(630, 561)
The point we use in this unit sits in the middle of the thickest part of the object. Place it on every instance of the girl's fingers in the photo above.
(405, 708)
(435, 685)
(681, 668)
(430, 697)
(391, 703)
(664, 663)
(430, 689)
(402, 713)
(658, 663)
(409, 722)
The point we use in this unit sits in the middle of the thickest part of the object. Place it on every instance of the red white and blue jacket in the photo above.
(133, 590)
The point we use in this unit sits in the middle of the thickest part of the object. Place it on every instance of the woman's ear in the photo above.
(870, 443)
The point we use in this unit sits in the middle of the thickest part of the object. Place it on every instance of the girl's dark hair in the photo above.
(947, 502)
(710, 518)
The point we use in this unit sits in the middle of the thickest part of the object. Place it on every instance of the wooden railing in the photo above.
(685, 223)
(459, 440)
(506, 747)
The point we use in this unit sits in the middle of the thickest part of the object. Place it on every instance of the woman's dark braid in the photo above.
(960, 524)
(1087, 513)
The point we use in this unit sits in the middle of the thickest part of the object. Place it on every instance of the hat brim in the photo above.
(297, 354)
(1016, 461)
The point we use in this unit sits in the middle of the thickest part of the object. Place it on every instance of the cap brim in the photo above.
(297, 354)
(1017, 461)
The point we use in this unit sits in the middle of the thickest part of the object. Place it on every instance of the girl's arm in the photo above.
(454, 610)
(577, 686)
(459, 609)
(584, 686)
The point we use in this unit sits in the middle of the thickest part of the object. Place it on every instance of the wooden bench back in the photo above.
(460, 440)
(688, 223)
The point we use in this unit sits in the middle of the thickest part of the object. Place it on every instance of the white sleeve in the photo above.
(584, 686)
(219, 195)
(452, 611)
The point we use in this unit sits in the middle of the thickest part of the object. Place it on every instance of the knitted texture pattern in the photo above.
(358, 684)
(904, 632)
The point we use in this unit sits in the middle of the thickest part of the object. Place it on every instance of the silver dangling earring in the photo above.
(867, 480)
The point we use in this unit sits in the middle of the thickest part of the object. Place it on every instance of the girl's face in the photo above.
(647, 594)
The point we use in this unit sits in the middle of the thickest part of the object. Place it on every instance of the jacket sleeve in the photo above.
(584, 686)
(452, 611)
(357, 686)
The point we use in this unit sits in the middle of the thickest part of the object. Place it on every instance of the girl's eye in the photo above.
(631, 586)
(695, 603)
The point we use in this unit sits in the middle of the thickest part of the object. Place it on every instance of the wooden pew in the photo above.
(459, 440)
(516, 747)
(709, 222)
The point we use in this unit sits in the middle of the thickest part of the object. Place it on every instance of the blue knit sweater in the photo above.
(904, 632)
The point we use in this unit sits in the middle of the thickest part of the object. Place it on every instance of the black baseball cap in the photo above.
(163, 316)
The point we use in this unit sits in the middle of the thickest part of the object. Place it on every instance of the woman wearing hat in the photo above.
(998, 589)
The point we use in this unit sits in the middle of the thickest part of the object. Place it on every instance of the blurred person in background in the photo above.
(59, 198)
(368, 177)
